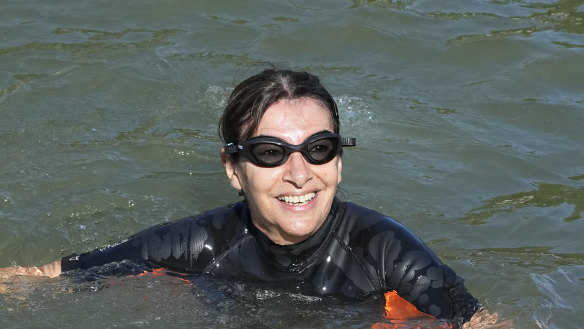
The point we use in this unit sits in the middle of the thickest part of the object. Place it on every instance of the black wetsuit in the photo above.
(356, 252)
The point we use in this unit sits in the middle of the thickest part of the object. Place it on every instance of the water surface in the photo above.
(468, 116)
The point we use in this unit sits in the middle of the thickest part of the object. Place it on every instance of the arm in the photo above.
(178, 245)
(420, 277)
(152, 246)
(168, 245)
(413, 270)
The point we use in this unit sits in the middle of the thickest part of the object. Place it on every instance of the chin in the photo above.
(303, 231)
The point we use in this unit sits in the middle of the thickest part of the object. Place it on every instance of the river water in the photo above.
(468, 114)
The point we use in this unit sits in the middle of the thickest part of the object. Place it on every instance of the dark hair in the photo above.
(252, 97)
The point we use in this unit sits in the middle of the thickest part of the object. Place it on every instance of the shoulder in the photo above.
(219, 221)
(191, 243)
(361, 220)
(377, 234)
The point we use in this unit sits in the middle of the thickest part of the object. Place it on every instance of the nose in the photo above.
(297, 170)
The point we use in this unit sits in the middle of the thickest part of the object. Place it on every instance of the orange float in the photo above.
(403, 314)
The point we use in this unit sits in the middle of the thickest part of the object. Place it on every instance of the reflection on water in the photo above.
(536, 258)
(397, 4)
(546, 195)
(96, 41)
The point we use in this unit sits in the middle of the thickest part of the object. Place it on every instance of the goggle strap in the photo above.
(348, 141)
(230, 148)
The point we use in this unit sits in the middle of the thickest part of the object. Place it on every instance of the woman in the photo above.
(283, 152)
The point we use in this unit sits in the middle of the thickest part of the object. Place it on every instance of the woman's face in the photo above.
(267, 189)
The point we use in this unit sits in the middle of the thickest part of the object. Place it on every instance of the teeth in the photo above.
(297, 200)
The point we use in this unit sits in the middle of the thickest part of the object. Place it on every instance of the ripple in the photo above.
(547, 287)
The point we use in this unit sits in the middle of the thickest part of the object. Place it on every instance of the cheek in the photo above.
(259, 179)
(330, 174)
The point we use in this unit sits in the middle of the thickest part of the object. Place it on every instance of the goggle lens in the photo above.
(323, 150)
(267, 154)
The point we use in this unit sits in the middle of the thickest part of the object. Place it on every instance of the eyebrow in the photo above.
(318, 132)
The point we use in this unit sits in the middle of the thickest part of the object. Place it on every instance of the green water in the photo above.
(469, 118)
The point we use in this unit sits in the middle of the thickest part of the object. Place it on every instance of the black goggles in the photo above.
(266, 151)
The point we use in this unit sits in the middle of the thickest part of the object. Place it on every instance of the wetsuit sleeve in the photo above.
(178, 245)
(420, 277)
(129, 250)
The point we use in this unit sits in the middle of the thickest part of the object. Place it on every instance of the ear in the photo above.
(231, 170)
(339, 170)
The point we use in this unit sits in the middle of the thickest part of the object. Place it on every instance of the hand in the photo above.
(483, 319)
(51, 270)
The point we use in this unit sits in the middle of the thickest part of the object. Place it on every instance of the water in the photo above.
(468, 115)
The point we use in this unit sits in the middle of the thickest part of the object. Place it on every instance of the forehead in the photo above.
(295, 119)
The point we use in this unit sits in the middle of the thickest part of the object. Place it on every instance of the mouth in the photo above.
(297, 200)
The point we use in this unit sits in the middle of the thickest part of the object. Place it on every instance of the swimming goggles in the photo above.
(266, 151)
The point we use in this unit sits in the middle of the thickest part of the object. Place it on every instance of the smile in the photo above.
(297, 200)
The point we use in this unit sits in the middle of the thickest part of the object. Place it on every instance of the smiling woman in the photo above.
(274, 194)
(283, 152)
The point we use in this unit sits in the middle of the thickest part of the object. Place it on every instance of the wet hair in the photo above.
(252, 97)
